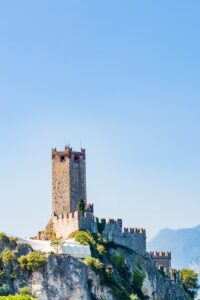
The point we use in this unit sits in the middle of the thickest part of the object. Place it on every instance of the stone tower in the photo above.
(68, 180)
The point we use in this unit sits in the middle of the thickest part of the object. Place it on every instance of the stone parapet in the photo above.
(161, 258)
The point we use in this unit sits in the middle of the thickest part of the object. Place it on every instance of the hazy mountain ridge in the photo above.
(184, 244)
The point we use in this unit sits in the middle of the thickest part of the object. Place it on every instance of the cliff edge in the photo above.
(115, 272)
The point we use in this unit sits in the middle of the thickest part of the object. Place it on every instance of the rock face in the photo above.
(63, 277)
(66, 278)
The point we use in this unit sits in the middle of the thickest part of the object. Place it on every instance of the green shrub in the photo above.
(57, 244)
(25, 291)
(6, 257)
(133, 297)
(3, 237)
(138, 277)
(118, 261)
(23, 262)
(3, 290)
(32, 262)
(13, 275)
(108, 272)
(13, 239)
(99, 237)
(190, 281)
(139, 262)
(101, 249)
(83, 237)
(2, 274)
(94, 263)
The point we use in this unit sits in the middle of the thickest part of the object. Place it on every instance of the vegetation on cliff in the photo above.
(15, 259)
(190, 282)
(32, 262)
(111, 266)
(87, 238)
(118, 269)
(109, 261)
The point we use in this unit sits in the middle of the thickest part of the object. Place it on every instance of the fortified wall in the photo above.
(132, 238)
(161, 258)
(68, 190)
(67, 223)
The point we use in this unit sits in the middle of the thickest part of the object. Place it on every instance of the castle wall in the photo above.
(65, 224)
(161, 258)
(133, 238)
(87, 222)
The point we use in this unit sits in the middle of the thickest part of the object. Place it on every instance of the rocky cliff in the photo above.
(119, 274)
(64, 277)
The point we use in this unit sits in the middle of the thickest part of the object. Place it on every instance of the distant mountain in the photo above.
(183, 243)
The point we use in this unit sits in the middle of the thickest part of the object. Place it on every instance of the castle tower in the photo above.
(161, 258)
(68, 180)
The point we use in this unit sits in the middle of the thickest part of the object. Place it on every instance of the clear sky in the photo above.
(120, 78)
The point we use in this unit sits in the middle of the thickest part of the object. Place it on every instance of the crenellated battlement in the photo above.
(68, 187)
(72, 215)
(61, 154)
(134, 230)
(109, 221)
(113, 221)
(90, 207)
(160, 254)
(64, 224)
(68, 153)
(161, 258)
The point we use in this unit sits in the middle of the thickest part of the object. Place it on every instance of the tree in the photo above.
(7, 256)
(190, 282)
(83, 237)
(32, 261)
(57, 244)
(81, 206)
(137, 277)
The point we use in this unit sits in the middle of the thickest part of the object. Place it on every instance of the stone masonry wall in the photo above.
(77, 179)
(68, 180)
(65, 224)
(133, 238)
(161, 258)
(60, 183)
(87, 222)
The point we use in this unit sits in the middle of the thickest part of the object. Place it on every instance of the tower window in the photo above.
(76, 158)
(62, 158)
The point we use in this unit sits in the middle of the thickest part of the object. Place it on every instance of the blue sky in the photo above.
(118, 78)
